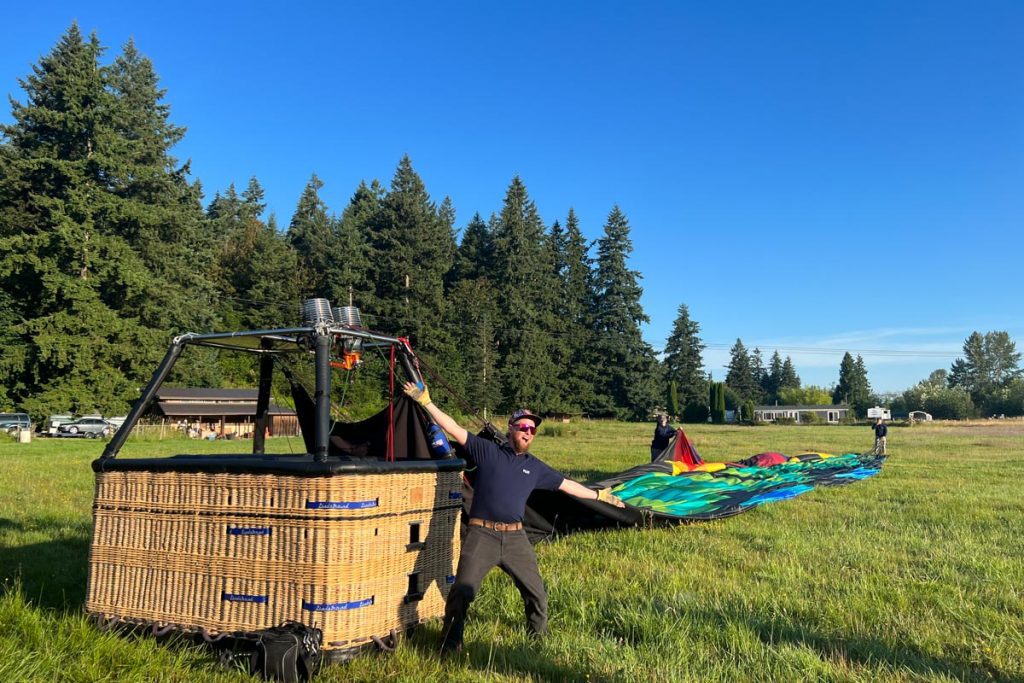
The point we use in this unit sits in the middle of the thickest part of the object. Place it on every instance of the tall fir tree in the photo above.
(561, 399)
(684, 363)
(262, 274)
(311, 233)
(789, 379)
(473, 370)
(576, 275)
(629, 383)
(772, 378)
(759, 375)
(84, 192)
(413, 250)
(740, 377)
(153, 204)
(853, 388)
(523, 268)
(355, 229)
(475, 255)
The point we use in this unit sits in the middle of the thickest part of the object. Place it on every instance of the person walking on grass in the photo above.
(505, 477)
(663, 433)
(881, 431)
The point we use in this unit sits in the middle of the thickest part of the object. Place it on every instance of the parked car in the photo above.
(12, 422)
(54, 422)
(92, 427)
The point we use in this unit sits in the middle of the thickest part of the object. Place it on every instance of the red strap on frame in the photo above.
(391, 409)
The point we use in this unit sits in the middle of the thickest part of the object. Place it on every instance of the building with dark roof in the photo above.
(225, 411)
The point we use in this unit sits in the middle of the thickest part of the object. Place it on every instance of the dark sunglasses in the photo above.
(525, 428)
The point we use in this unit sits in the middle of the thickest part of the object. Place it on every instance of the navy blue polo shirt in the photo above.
(504, 480)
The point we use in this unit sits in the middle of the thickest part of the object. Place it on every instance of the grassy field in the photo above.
(916, 574)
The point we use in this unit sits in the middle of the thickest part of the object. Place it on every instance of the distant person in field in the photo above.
(505, 477)
(881, 431)
(663, 433)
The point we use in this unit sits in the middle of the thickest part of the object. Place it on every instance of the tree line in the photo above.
(108, 248)
(986, 381)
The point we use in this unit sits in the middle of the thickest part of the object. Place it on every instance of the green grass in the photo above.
(915, 574)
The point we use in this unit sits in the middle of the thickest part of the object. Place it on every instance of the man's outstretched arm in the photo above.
(574, 488)
(422, 396)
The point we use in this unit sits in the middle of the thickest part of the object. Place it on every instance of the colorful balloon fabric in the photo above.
(678, 486)
(714, 490)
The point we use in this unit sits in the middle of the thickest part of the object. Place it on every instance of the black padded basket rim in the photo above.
(295, 465)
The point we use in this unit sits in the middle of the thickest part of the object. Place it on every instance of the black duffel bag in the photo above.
(289, 653)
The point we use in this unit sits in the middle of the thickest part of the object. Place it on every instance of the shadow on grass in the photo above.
(870, 652)
(52, 573)
(524, 659)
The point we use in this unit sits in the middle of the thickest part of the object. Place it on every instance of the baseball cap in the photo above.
(524, 412)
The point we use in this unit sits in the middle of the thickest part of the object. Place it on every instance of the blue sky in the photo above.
(810, 177)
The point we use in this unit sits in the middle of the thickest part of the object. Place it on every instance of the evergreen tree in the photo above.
(853, 388)
(151, 203)
(523, 268)
(572, 327)
(741, 374)
(674, 406)
(413, 250)
(718, 402)
(990, 363)
(789, 378)
(683, 361)
(355, 285)
(577, 278)
(312, 234)
(263, 277)
(475, 256)
(561, 399)
(759, 375)
(86, 188)
(473, 371)
(446, 216)
(773, 378)
(253, 205)
(629, 383)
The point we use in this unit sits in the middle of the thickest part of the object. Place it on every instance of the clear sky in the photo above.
(812, 177)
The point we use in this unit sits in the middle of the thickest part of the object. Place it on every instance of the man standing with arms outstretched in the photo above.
(505, 477)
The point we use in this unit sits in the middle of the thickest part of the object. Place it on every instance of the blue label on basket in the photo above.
(455, 495)
(241, 597)
(449, 579)
(336, 606)
(340, 504)
(249, 530)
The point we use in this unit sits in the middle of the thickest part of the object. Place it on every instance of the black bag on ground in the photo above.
(289, 653)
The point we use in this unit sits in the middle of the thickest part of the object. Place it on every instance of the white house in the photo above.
(829, 414)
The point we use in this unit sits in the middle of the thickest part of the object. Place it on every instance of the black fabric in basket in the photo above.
(369, 438)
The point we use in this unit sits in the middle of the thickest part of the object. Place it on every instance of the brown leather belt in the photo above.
(496, 526)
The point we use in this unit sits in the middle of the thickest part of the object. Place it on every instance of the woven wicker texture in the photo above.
(356, 555)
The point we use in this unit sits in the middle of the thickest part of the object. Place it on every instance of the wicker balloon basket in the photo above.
(362, 555)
